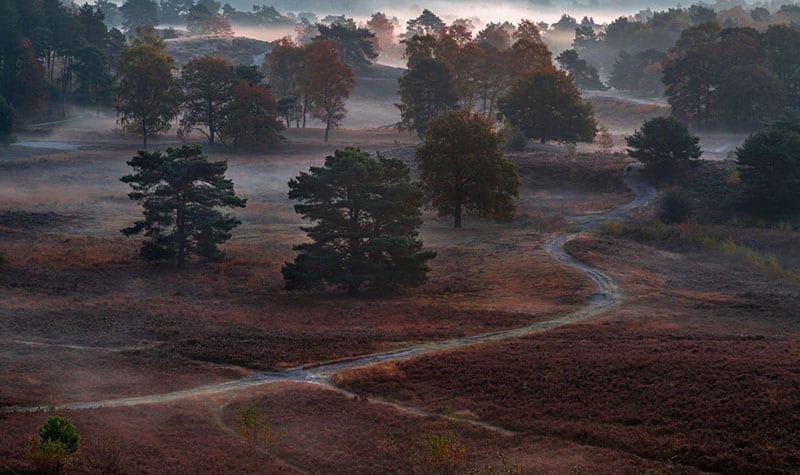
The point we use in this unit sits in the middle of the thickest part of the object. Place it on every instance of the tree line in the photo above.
(227, 103)
(52, 54)
(505, 72)
(311, 78)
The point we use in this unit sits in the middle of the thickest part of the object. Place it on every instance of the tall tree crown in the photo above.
(463, 168)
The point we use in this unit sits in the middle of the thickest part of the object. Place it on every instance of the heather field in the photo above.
(687, 364)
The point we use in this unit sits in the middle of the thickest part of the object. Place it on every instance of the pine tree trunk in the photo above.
(327, 129)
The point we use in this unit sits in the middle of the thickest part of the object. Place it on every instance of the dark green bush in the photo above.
(673, 208)
(517, 141)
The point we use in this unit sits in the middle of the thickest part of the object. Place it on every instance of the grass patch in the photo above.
(765, 262)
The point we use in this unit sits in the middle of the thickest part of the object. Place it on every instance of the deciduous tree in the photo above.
(147, 95)
(285, 69)
(250, 119)
(383, 29)
(366, 213)
(329, 83)
(547, 105)
(463, 168)
(496, 36)
(30, 87)
(769, 171)
(7, 119)
(181, 193)
(216, 25)
(207, 82)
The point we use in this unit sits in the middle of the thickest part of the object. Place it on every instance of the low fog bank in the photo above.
(538, 10)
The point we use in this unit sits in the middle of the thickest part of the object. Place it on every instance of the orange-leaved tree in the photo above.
(329, 83)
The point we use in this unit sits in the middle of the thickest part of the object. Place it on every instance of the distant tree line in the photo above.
(732, 77)
(211, 96)
(505, 72)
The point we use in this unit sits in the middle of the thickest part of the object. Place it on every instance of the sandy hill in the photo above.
(239, 50)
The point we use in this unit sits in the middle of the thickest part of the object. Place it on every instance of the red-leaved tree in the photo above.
(329, 83)
(251, 118)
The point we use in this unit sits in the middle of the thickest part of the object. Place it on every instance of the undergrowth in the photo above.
(694, 234)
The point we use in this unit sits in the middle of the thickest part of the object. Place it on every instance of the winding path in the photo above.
(608, 294)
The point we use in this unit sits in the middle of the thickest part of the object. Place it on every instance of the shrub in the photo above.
(57, 446)
(656, 230)
(611, 228)
(257, 429)
(733, 178)
(673, 208)
(604, 139)
(442, 449)
(517, 141)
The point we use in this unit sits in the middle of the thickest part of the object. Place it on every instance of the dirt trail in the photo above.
(608, 293)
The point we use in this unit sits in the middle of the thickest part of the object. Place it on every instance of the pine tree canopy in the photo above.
(365, 213)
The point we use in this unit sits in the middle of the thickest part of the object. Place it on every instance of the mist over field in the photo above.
(538, 10)
(542, 236)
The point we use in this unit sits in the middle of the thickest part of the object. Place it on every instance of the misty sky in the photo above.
(485, 11)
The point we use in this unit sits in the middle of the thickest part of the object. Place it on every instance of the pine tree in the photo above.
(665, 146)
(769, 170)
(181, 192)
(366, 214)
(426, 91)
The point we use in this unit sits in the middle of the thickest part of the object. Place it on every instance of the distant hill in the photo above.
(238, 50)
(379, 71)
